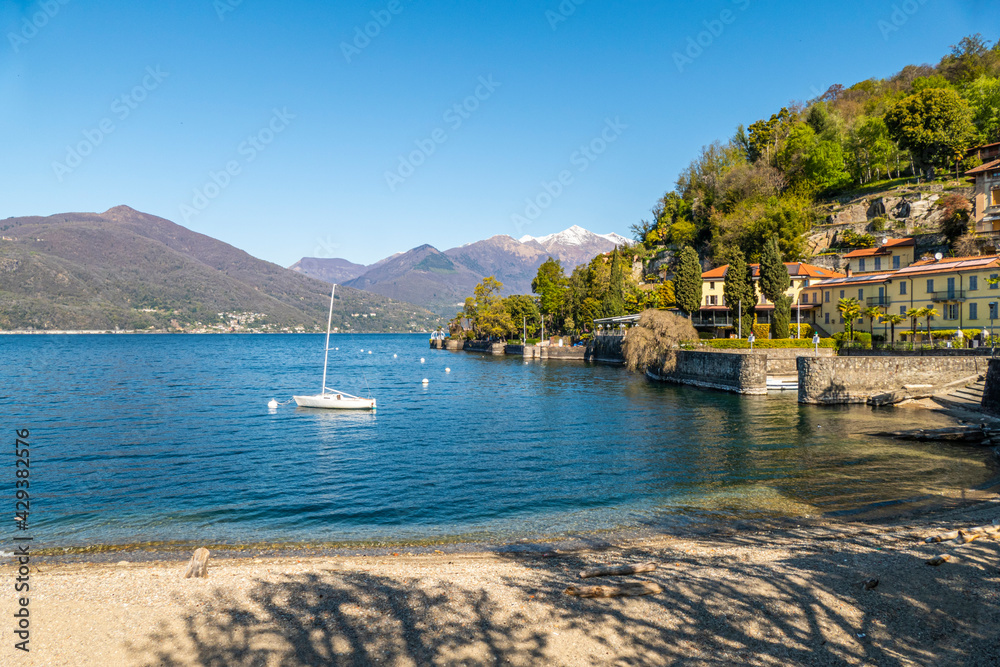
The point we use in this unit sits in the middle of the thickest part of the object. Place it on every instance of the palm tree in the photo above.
(912, 314)
(893, 320)
(929, 313)
(850, 310)
(872, 313)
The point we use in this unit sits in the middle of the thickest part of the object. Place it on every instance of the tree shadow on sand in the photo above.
(802, 603)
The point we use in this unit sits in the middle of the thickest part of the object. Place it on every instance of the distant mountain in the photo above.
(328, 270)
(423, 274)
(441, 281)
(576, 245)
(130, 270)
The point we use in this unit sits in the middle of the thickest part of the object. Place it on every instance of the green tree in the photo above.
(912, 314)
(550, 286)
(492, 319)
(850, 310)
(929, 313)
(738, 292)
(774, 278)
(872, 313)
(893, 320)
(782, 316)
(983, 95)
(774, 282)
(613, 303)
(687, 281)
(935, 125)
(523, 312)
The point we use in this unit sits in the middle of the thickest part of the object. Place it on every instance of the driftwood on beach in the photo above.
(625, 590)
(605, 571)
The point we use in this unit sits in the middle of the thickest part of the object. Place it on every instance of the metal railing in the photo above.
(878, 301)
(712, 321)
(948, 295)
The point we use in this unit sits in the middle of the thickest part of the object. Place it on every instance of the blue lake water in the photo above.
(140, 438)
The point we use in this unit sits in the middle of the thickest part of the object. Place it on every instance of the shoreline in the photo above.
(882, 513)
(749, 593)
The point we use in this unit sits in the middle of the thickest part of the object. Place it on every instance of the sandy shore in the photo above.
(746, 594)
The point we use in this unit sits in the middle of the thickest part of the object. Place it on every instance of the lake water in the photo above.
(139, 438)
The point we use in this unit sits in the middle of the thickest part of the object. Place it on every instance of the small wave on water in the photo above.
(151, 438)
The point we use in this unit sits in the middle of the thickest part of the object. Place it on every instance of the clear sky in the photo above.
(285, 130)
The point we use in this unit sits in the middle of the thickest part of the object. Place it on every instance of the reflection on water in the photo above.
(138, 438)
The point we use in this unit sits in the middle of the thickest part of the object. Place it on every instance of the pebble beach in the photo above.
(748, 593)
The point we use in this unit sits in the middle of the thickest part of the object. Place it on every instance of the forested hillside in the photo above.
(772, 174)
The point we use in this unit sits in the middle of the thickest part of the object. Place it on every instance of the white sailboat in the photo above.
(333, 399)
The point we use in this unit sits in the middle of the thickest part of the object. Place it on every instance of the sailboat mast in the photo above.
(326, 352)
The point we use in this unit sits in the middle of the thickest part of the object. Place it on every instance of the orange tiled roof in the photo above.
(989, 166)
(864, 279)
(795, 270)
(949, 264)
(881, 250)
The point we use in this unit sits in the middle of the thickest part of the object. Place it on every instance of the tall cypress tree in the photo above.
(737, 292)
(774, 280)
(781, 317)
(613, 303)
(687, 281)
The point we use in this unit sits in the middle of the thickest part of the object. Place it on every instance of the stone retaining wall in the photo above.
(738, 371)
(991, 392)
(832, 380)
(484, 346)
(606, 348)
(784, 361)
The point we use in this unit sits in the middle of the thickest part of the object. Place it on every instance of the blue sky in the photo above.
(285, 130)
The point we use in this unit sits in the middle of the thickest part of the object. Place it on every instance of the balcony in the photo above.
(878, 301)
(713, 319)
(948, 295)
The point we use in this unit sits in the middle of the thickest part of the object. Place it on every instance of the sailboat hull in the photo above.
(335, 402)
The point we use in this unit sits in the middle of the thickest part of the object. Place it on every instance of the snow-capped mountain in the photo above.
(441, 280)
(574, 236)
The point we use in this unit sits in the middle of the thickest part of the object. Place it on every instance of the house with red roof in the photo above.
(958, 288)
(892, 254)
(715, 313)
(986, 194)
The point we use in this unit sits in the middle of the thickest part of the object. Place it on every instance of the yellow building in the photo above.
(715, 312)
(956, 287)
(986, 181)
(892, 255)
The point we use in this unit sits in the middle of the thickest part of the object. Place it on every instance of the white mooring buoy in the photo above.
(394, 356)
(273, 404)
(447, 370)
(425, 382)
(421, 360)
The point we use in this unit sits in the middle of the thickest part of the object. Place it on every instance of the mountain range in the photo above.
(440, 281)
(130, 270)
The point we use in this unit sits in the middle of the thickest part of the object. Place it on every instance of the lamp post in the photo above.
(750, 339)
(739, 317)
(816, 343)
